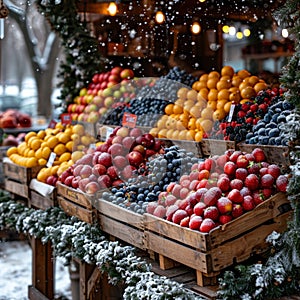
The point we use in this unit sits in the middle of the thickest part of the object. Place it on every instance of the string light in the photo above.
(196, 28)
(284, 33)
(225, 29)
(159, 17)
(239, 35)
(246, 32)
(112, 8)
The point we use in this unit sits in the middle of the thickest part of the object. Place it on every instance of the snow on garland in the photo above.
(71, 237)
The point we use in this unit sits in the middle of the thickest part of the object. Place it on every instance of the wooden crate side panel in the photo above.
(75, 196)
(17, 188)
(190, 146)
(242, 248)
(178, 252)
(274, 154)
(216, 147)
(15, 172)
(116, 212)
(267, 210)
(41, 202)
(122, 231)
(73, 209)
(173, 231)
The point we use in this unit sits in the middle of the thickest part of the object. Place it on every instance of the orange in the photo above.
(153, 131)
(29, 135)
(202, 94)
(170, 133)
(212, 83)
(65, 157)
(31, 162)
(243, 73)
(169, 109)
(225, 78)
(236, 80)
(52, 142)
(212, 104)
(227, 70)
(203, 77)
(248, 92)
(11, 150)
(198, 85)
(180, 125)
(192, 123)
(207, 125)
(63, 137)
(219, 114)
(179, 102)
(177, 109)
(39, 153)
(192, 95)
(212, 95)
(181, 93)
(42, 162)
(253, 80)
(59, 149)
(243, 85)
(190, 135)
(223, 94)
(223, 84)
(198, 136)
(160, 123)
(195, 111)
(260, 86)
(245, 101)
(54, 170)
(221, 103)
(162, 133)
(213, 74)
(70, 146)
(207, 113)
(35, 144)
(41, 134)
(79, 129)
(201, 104)
(235, 96)
(227, 107)
(31, 153)
(175, 134)
(188, 105)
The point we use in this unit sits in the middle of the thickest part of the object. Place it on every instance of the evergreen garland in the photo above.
(71, 237)
(280, 274)
(82, 58)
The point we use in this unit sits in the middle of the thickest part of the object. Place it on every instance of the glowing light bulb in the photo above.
(159, 17)
(284, 33)
(246, 32)
(239, 35)
(112, 8)
(196, 28)
(232, 30)
(225, 29)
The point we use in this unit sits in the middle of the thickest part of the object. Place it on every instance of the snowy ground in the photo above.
(15, 272)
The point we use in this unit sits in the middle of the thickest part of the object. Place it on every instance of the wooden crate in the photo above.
(190, 146)
(18, 173)
(121, 223)
(76, 203)
(275, 154)
(42, 195)
(210, 253)
(215, 147)
(17, 188)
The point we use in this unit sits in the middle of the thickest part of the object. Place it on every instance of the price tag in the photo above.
(52, 124)
(51, 160)
(66, 119)
(230, 115)
(129, 120)
(109, 131)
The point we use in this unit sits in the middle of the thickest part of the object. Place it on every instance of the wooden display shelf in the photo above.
(76, 203)
(210, 147)
(121, 223)
(275, 154)
(210, 253)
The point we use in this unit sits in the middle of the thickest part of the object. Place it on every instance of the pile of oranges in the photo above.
(67, 142)
(193, 114)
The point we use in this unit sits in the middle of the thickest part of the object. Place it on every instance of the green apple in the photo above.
(83, 92)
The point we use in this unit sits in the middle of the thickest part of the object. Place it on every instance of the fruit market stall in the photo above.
(179, 186)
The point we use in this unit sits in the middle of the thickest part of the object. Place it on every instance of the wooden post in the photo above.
(42, 271)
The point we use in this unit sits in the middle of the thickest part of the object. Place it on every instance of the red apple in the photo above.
(135, 158)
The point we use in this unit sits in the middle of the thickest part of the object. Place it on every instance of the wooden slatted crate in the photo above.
(190, 146)
(76, 203)
(42, 195)
(210, 253)
(121, 223)
(17, 178)
(210, 147)
(275, 154)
